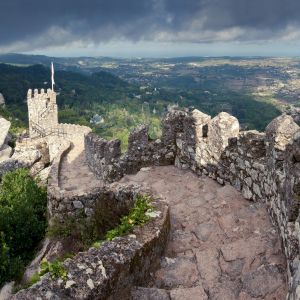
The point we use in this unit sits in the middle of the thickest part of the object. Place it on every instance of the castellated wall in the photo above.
(73, 131)
(263, 166)
(105, 158)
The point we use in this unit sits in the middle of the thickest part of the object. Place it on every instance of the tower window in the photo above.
(205, 131)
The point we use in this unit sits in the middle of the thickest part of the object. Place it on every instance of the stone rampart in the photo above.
(54, 191)
(105, 158)
(72, 131)
(263, 166)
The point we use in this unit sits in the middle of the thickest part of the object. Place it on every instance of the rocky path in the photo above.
(221, 246)
(75, 174)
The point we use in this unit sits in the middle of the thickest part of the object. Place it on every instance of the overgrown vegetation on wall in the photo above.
(22, 222)
(103, 225)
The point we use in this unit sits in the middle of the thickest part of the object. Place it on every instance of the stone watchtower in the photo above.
(42, 112)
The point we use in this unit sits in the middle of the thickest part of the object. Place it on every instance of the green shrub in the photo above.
(22, 222)
(55, 268)
(137, 216)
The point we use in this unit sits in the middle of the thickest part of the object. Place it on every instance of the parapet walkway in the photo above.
(221, 246)
(75, 175)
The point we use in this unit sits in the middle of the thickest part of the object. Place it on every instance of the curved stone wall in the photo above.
(110, 271)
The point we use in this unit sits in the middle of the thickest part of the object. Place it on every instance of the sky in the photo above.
(150, 28)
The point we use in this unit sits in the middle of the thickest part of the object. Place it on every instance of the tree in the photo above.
(22, 221)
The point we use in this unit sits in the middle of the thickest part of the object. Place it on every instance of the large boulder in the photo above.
(4, 128)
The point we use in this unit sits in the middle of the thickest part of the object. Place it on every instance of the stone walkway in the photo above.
(75, 174)
(221, 246)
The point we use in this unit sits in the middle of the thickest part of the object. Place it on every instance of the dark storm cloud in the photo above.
(39, 23)
(259, 14)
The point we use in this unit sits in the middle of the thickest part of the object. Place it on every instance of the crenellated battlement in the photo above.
(264, 167)
(41, 95)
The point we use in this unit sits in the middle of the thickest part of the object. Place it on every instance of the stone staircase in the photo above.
(47, 110)
(42, 132)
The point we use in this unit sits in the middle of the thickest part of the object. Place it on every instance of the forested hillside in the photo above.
(113, 107)
(80, 97)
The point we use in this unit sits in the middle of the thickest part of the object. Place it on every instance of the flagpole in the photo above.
(52, 76)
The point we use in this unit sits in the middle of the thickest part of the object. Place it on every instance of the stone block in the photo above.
(5, 152)
(4, 128)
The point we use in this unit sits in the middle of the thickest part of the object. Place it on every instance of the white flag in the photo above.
(52, 75)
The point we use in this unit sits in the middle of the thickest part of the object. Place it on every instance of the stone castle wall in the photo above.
(73, 131)
(263, 166)
(105, 158)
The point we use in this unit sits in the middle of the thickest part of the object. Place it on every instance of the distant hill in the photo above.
(22, 59)
(75, 64)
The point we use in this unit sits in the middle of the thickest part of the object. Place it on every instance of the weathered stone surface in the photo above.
(78, 204)
(262, 282)
(149, 294)
(282, 128)
(6, 291)
(5, 152)
(4, 128)
(204, 230)
(243, 249)
(265, 167)
(208, 265)
(195, 293)
(179, 272)
(10, 165)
